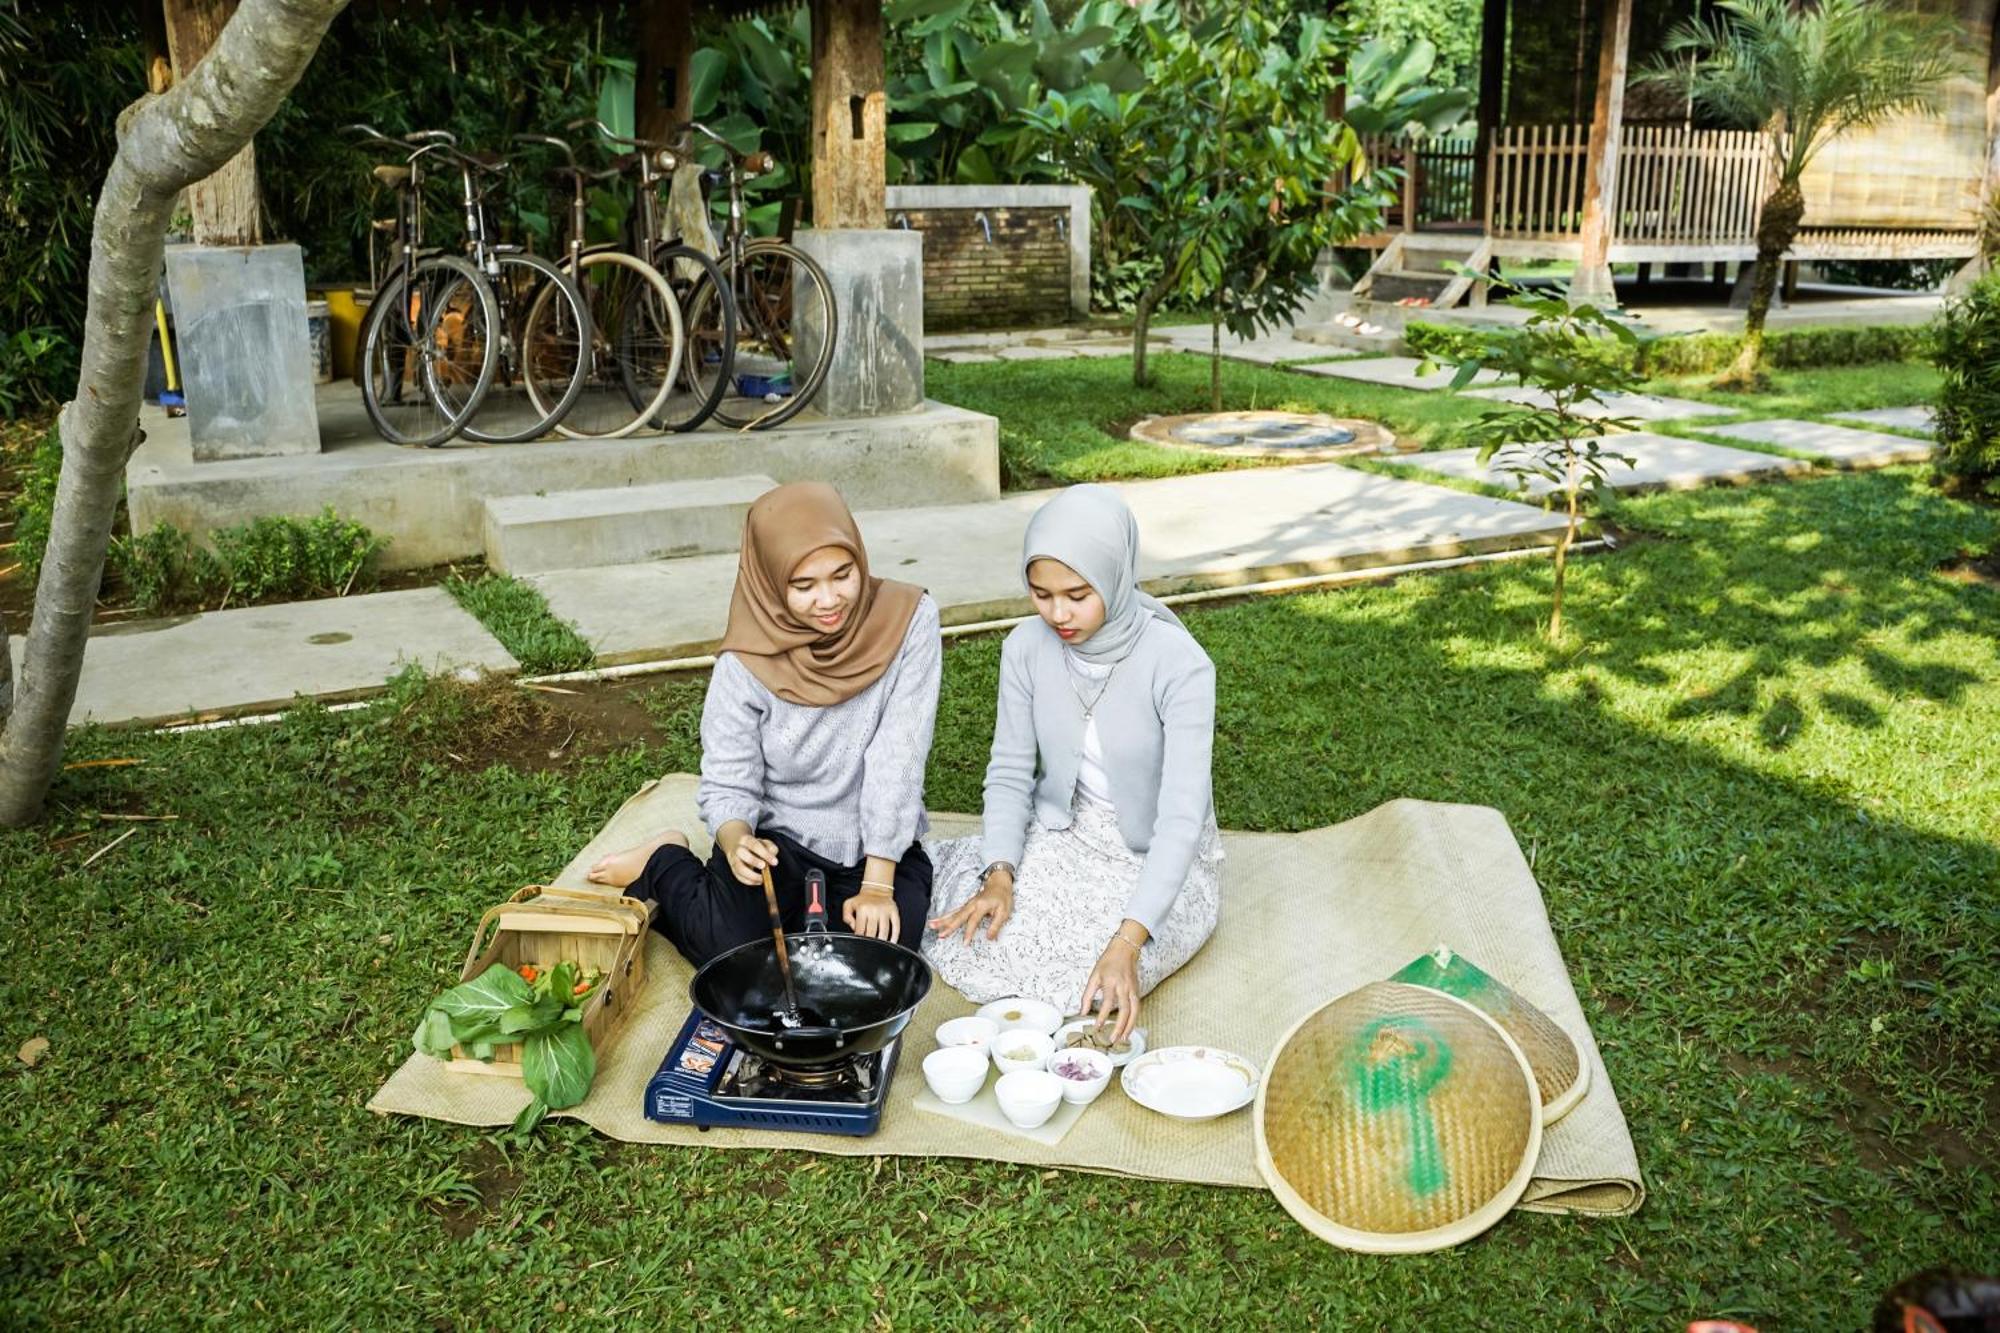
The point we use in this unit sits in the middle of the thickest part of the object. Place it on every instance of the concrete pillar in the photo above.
(878, 299)
(1600, 176)
(245, 359)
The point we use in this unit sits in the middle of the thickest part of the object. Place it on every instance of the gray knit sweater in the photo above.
(846, 780)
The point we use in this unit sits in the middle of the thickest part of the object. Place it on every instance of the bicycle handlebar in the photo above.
(569, 154)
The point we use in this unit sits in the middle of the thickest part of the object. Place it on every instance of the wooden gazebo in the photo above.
(1566, 163)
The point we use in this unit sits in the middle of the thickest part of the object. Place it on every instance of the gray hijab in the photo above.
(1090, 529)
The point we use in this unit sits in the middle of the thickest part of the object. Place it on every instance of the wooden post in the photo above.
(665, 90)
(1600, 180)
(1492, 101)
(849, 115)
(225, 206)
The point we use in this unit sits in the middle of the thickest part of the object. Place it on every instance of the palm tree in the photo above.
(1803, 72)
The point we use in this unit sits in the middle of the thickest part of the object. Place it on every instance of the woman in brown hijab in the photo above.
(813, 740)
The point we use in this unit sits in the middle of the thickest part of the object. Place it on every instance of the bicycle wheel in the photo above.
(783, 305)
(643, 347)
(708, 318)
(558, 361)
(428, 351)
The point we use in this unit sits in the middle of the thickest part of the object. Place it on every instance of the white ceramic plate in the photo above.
(1020, 1012)
(1191, 1082)
(1135, 1044)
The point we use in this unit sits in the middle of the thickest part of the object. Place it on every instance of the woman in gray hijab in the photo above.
(1096, 876)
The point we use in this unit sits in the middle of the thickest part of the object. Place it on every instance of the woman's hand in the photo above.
(872, 912)
(1113, 987)
(749, 856)
(990, 907)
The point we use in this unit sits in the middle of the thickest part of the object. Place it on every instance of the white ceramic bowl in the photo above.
(1095, 1064)
(975, 1032)
(1191, 1082)
(1013, 1040)
(955, 1073)
(1021, 1012)
(1028, 1097)
(1085, 1028)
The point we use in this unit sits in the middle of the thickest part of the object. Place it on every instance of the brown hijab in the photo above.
(795, 660)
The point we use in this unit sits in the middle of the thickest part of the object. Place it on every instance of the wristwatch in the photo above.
(987, 873)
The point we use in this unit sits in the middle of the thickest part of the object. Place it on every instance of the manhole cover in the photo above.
(1267, 434)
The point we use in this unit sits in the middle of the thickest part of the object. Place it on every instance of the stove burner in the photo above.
(848, 1080)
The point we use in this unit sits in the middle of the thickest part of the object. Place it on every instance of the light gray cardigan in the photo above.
(1156, 722)
(846, 780)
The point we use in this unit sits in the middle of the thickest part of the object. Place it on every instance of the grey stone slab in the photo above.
(1215, 530)
(622, 525)
(430, 503)
(966, 358)
(1659, 462)
(1032, 353)
(1638, 406)
(263, 656)
(877, 280)
(1396, 372)
(245, 353)
(1264, 351)
(1919, 420)
(1841, 445)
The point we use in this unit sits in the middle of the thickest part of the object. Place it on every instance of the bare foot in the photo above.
(621, 868)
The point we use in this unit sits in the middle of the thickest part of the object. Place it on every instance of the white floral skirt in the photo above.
(1070, 893)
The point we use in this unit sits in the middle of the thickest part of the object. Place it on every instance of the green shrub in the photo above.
(1708, 353)
(37, 501)
(282, 556)
(1965, 346)
(163, 570)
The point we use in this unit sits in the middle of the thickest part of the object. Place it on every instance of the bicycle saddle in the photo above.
(391, 174)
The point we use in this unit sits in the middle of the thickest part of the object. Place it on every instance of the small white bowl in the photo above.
(1028, 1097)
(975, 1032)
(1004, 1046)
(1021, 1012)
(1079, 1034)
(955, 1073)
(1082, 1091)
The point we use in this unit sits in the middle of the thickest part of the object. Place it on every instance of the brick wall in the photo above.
(1020, 279)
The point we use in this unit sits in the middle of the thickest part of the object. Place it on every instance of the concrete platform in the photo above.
(1637, 406)
(1220, 529)
(1659, 462)
(430, 502)
(526, 534)
(263, 656)
(1842, 446)
(1395, 372)
(1916, 420)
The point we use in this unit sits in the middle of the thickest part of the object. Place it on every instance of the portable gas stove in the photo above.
(707, 1080)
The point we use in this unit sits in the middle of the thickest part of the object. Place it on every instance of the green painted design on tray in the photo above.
(1393, 1065)
(1458, 978)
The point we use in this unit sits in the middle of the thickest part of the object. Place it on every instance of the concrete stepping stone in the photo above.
(1267, 351)
(1843, 446)
(1219, 529)
(1659, 462)
(258, 657)
(618, 525)
(963, 358)
(1397, 372)
(1637, 406)
(1920, 420)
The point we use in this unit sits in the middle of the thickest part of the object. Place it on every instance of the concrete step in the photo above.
(622, 525)
(1393, 287)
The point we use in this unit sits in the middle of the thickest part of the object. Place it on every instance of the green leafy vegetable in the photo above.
(544, 1015)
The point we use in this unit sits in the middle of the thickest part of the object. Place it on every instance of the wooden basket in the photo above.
(546, 926)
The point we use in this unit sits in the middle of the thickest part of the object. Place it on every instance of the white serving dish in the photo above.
(1082, 1091)
(1028, 1097)
(1021, 1012)
(1135, 1045)
(1015, 1039)
(1191, 1082)
(955, 1073)
(976, 1032)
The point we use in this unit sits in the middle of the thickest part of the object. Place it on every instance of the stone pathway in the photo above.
(1218, 529)
(1396, 372)
(1917, 420)
(1637, 406)
(1270, 349)
(260, 657)
(1843, 446)
(1659, 462)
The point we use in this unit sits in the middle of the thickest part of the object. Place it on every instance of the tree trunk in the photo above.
(1777, 226)
(1562, 555)
(165, 143)
(1215, 353)
(1142, 316)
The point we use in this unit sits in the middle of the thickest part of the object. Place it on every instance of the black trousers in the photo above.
(704, 910)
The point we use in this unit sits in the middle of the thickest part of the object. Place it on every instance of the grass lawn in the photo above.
(1761, 793)
(1066, 421)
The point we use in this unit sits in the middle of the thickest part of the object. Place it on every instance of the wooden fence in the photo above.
(1437, 186)
(1675, 185)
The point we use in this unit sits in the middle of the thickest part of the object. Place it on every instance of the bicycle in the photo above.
(504, 281)
(635, 322)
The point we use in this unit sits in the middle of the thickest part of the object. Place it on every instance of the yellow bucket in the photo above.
(344, 324)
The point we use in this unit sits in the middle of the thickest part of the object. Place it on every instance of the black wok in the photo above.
(858, 993)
